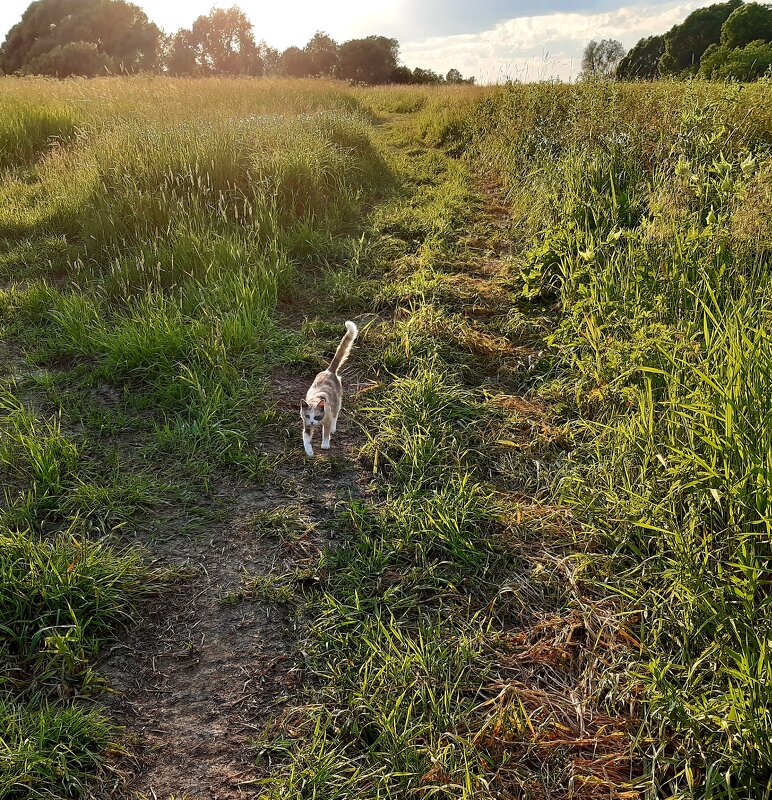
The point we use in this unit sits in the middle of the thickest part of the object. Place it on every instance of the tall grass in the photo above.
(178, 233)
(153, 233)
(61, 595)
(29, 130)
(54, 752)
(149, 230)
(645, 196)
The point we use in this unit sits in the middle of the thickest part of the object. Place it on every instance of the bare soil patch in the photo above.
(203, 671)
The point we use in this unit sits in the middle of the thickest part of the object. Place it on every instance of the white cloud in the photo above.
(541, 47)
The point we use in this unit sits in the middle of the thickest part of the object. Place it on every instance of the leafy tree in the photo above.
(740, 63)
(295, 63)
(269, 57)
(712, 60)
(181, 55)
(119, 30)
(600, 58)
(402, 74)
(685, 43)
(454, 76)
(323, 52)
(75, 58)
(224, 44)
(642, 61)
(748, 23)
(370, 61)
(424, 76)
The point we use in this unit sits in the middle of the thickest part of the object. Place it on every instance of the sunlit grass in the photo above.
(157, 236)
(645, 244)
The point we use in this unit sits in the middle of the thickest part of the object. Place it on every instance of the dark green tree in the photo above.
(370, 61)
(426, 76)
(642, 61)
(323, 52)
(119, 30)
(600, 58)
(76, 58)
(269, 57)
(685, 43)
(224, 44)
(402, 74)
(295, 63)
(181, 55)
(713, 59)
(737, 64)
(750, 22)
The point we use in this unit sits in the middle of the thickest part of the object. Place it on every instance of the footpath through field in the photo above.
(404, 615)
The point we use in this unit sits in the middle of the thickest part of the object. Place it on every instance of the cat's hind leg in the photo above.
(326, 430)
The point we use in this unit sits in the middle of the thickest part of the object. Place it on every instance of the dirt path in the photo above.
(211, 660)
(210, 664)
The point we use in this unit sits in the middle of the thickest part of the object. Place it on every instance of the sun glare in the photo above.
(283, 24)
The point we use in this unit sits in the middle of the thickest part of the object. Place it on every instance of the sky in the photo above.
(492, 40)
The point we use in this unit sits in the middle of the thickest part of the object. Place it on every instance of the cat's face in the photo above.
(312, 415)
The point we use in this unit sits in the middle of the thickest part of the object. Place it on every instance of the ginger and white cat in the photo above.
(323, 400)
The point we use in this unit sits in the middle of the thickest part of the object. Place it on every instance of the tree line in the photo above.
(724, 41)
(63, 38)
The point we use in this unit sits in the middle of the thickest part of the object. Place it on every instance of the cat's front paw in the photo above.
(326, 445)
(309, 452)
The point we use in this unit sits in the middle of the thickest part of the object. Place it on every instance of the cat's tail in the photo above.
(344, 348)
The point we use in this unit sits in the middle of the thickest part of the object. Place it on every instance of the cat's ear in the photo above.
(304, 405)
(320, 405)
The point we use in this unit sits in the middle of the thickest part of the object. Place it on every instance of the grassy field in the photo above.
(537, 563)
